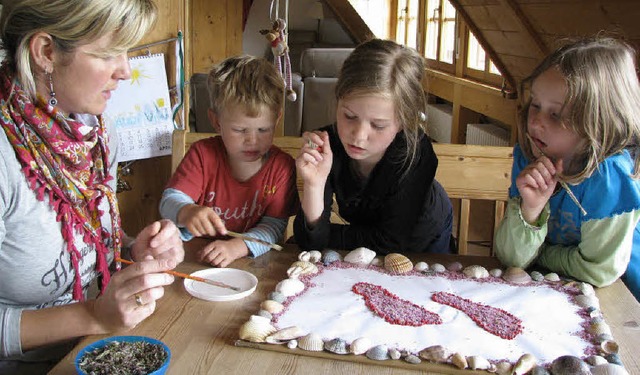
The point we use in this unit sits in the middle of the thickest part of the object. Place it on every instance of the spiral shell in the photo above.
(271, 306)
(311, 342)
(256, 329)
(360, 256)
(397, 263)
(300, 268)
(476, 272)
(360, 345)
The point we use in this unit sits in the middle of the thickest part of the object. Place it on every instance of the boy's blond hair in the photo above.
(248, 81)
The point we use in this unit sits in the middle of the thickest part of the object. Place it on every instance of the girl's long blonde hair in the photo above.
(603, 98)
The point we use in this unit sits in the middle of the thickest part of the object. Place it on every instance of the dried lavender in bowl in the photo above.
(124, 358)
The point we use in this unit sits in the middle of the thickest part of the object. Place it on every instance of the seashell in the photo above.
(330, 256)
(300, 268)
(421, 266)
(496, 272)
(413, 359)
(266, 314)
(608, 369)
(437, 267)
(311, 342)
(292, 344)
(503, 368)
(525, 363)
(277, 296)
(569, 365)
(594, 313)
(360, 345)
(394, 353)
(516, 275)
(256, 329)
(586, 289)
(304, 256)
(285, 334)
(290, 287)
(539, 370)
(587, 301)
(271, 306)
(600, 328)
(360, 256)
(478, 363)
(536, 276)
(378, 353)
(315, 256)
(377, 262)
(476, 272)
(436, 353)
(454, 267)
(337, 346)
(595, 360)
(609, 347)
(397, 263)
(614, 358)
(460, 361)
(602, 337)
(552, 276)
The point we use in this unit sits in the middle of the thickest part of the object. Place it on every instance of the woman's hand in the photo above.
(159, 240)
(132, 293)
(536, 183)
(221, 253)
(315, 159)
(201, 221)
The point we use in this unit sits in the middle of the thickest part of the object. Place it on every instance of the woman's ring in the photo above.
(138, 300)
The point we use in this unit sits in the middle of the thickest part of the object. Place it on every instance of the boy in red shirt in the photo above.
(237, 180)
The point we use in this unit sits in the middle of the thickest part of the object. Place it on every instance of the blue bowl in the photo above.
(105, 341)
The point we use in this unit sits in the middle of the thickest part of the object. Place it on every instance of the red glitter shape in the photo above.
(392, 308)
(493, 320)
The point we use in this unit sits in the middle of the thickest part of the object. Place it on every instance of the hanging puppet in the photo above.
(280, 52)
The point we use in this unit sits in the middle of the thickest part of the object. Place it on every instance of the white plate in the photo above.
(244, 280)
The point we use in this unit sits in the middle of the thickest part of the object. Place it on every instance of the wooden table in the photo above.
(201, 334)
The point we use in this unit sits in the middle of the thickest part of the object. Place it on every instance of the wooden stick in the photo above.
(562, 183)
(187, 276)
(256, 240)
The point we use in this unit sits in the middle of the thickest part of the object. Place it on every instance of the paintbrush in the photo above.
(256, 240)
(562, 183)
(190, 277)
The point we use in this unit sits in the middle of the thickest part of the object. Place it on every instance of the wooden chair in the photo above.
(470, 172)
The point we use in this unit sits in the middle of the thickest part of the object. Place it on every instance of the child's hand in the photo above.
(536, 183)
(315, 159)
(221, 253)
(201, 221)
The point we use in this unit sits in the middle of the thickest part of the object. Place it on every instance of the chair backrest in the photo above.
(470, 172)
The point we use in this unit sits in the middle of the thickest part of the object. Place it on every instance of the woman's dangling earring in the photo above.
(52, 94)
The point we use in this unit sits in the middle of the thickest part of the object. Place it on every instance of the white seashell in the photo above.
(315, 256)
(600, 328)
(284, 335)
(476, 272)
(413, 359)
(609, 347)
(311, 342)
(377, 262)
(583, 300)
(300, 268)
(460, 361)
(394, 353)
(608, 369)
(595, 360)
(586, 289)
(397, 263)
(525, 363)
(256, 329)
(478, 363)
(436, 353)
(421, 266)
(360, 256)
(504, 368)
(496, 272)
(516, 275)
(290, 287)
(292, 344)
(552, 276)
(360, 345)
(378, 353)
(437, 267)
(304, 256)
(336, 346)
(272, 306)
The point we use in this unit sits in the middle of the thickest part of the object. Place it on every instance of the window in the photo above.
(375, 13)
(407, 26)
(440, 40)
(479, 65)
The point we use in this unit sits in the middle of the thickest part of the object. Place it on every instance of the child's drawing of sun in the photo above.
(137, 74)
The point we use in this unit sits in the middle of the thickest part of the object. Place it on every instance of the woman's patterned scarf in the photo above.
(68, 162)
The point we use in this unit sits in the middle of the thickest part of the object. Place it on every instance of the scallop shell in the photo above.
(496, 272)
(608, 369)
(360, 345)
(290, 287)
(478, 363)
(271, 306)
(552, 276)
(568, 364)
(516, 275)
(300, 268)
(360, 256)
(436, 353)
(256, 329)
(421, 266)
(525, 363)
(311, 342)
(476, 272)
(397, 263)
(330, 256)
(460, 361)
(378, 353)
(437, 267)
(337, 346)
(285, 334)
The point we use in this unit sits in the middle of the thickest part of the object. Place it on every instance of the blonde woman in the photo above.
(580, 123)
(59, 222)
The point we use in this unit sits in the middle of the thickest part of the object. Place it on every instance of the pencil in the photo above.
(256, 240)
(562, 183)
(187, 276)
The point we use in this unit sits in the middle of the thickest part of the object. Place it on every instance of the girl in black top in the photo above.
(377, 161)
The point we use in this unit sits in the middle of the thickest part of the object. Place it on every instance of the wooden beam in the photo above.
(526, 24)
(350, 20)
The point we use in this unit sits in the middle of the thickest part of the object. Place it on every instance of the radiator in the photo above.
(487, 135)
(439, 121)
